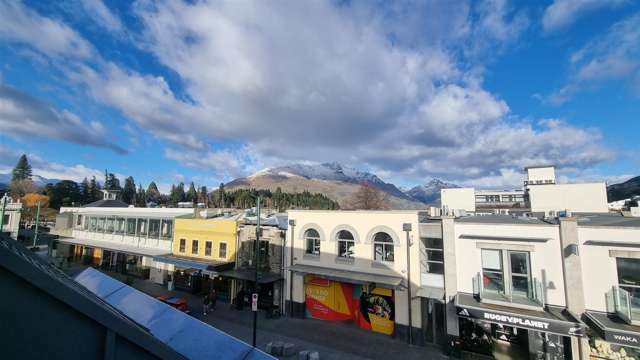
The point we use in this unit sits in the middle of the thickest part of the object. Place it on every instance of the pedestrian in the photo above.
(213, 297)
(206, 303)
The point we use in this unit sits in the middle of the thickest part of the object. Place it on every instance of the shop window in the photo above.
(433, 256)
(629, 281)
(167, 229)
(312, 238)
(142, 227)
(383, 247)
(346, 244)
(119, 225)
(154, 228)
(85, 224)
(93, 224)
(492, 271)
(131, 226)
(194, 247)
(222, 252)
(109, 225)
(207, 248)
(183, 245)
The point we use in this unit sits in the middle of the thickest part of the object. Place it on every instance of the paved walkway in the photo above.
(332, 340)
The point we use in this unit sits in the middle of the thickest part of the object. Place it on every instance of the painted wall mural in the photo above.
(337, 301)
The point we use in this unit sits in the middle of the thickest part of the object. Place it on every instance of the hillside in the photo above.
(430, 192)
(39, 181)
(332, 179)
(624, 190)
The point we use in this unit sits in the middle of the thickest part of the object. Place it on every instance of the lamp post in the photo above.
(254, 297)
(4, 205)
(35, 235)
(292, 223)
(407, 228)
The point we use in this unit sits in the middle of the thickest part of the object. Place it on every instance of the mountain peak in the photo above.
(429, 193)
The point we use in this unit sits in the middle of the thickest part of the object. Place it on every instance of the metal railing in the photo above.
(626, 306)
(534, 296)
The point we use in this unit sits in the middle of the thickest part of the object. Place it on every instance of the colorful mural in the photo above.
(338, 301)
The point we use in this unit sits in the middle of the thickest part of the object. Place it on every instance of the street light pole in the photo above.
(4, 205)
(35, 235)
(257, 264)
(407, 228)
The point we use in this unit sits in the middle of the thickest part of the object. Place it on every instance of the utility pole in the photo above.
(407, 228)
(254, 298)
(4, 205)
(292, 224)
(35, 235)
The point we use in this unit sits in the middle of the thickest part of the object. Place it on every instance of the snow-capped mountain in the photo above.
(38, 181)
(430, 192)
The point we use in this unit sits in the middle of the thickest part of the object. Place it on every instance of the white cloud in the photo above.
(97, 10)
(53, 38)
(225, 164)
(562, 13)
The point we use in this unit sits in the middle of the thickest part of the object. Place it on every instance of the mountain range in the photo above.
(624, 190)
(39, 181)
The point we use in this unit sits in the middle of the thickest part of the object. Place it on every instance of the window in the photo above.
(382, 247)
(109, 227)
(100, 227)
(433, 255)
(207, 248)
(167, 229)
(507, 274)
(194, 247)
(492, 272)
(183, 245)
(264, 249)
(93, 224)
(120, 225)
(85, 224)
(346, 244)
(5, 220)
(131, 226)
(78, 221)
(520, 274)
(312, 239)
(142, 227)
(222, 252)
(154, 228)
(629, 279)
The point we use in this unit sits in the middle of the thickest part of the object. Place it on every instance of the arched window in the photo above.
(382, 247)
(312, 238)
(345, 244)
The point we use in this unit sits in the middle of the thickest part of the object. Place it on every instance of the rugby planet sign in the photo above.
(527, 322)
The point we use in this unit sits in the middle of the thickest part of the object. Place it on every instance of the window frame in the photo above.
(433, 249)
(507, 272)
(182, 246)
(194, 247)
(349, 245)
(314, 241)
(384, 245)
(220, 249)
(208, 248)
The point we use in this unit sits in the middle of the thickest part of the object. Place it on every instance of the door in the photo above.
(433, 324)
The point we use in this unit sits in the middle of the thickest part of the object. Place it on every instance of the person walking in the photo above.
(206, 303)
(213, 298)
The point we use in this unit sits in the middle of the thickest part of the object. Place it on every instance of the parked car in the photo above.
(174, 301)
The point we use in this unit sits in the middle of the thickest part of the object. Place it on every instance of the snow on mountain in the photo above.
(39, 181)
(430, 192)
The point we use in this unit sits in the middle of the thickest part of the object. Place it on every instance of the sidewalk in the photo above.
(332, 340)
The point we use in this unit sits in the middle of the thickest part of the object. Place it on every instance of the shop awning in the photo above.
(249, 275)
(553, 319)
(613, 329)
(431, 292)
(188, 263)
(115, 246)
(355, 277)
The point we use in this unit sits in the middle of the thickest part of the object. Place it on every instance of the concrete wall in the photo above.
(11, 223)
(546, 261)
(591, 197)
(246, 238)
(541, 173)
(599, 270)
(215, 230)
(458, 199)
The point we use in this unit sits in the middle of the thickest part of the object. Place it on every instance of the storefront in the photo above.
(243, 283)
(198, 276)
(503, 331)
(611, 337)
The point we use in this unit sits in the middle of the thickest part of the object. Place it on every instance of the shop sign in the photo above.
(516, 320)
(621, 338)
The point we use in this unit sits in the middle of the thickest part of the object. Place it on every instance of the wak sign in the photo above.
(526, 322)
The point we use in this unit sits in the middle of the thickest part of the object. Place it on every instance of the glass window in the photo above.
(100, 226)
(93, 224)
(207, 248)
(183, 245)
(346, 244)
(433, 255)
(120, 225)
(383, 247)
(85, 224)
(131, 226)
(628, 271)
(110, 225)
(167, 229)
(194, 247)
(154, 228)
(312, 242)
(142, 227)
(222, 253)
(520, 274)
(78, 221)
(492, 271)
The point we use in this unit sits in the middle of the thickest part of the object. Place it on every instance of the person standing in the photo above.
(213, 298)
(206, 303)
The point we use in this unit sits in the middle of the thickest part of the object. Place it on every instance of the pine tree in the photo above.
(203, 196)
(192, 194)
(22, 170)
(84, 191)
(111, 182)
(129, 191)
(221, 196)
(94, 190)
(153, 194)
(140, 197)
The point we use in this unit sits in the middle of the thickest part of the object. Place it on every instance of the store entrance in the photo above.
(433, 323)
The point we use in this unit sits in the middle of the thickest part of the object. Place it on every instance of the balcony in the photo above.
(626, 306)
(523, 293)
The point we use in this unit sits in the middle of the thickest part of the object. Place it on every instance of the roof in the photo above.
(107, 204)
(183, 333)
(279, 220)
(613, 220)
(192, 263)
(502, 219)
(36, 271)
(115, 246)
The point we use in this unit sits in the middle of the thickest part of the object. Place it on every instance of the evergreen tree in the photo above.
(111, 182)
(140, 197)
(203, 196)
(192, 194)
(153, 194)
(177, 194)
(85, 191)
(221, 201)
(22, 170)
(94, 190)
(129, 191)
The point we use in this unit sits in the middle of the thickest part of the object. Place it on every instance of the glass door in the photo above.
(520, 275)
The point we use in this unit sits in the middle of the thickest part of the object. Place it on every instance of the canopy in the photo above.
(355, 277)
(115, 246)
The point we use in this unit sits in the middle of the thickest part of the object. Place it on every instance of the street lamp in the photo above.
(254, 297)
(292, 223)
(406, 227)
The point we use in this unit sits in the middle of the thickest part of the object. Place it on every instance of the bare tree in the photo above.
(369, 197)
(20, 188)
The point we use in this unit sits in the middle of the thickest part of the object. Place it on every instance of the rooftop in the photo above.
(502, 219)
(611, 219)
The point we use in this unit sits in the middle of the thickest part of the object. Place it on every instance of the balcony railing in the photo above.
(626, 306)
(532, 296)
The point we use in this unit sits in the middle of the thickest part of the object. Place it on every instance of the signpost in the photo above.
(254, 302)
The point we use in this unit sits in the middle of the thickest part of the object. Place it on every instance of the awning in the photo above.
(431, 292)
(553, 319)
(115, 246)
(188, 263)
(249, 275)
(613, 329)
(355, 277)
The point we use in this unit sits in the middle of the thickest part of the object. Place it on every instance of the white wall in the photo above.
(458, 199)
(541, 173)
(591, 197)
(545, 257)
(599, 272)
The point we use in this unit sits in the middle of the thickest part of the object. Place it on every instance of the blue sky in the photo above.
(469, 92)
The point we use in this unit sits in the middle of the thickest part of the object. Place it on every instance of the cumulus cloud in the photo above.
(562, 13)
(22, 25)
(101, 14)
(25, 116)
(224, 163)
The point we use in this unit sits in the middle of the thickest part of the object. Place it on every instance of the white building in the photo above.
(11, 216)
